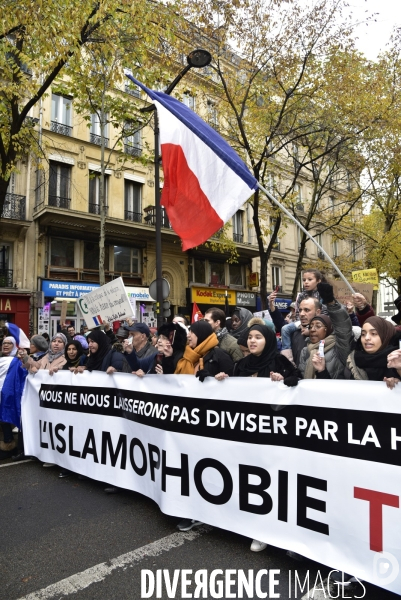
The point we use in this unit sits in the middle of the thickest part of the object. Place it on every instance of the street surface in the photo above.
(66, 538)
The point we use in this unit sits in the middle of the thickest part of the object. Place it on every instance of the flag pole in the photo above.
(287, 212)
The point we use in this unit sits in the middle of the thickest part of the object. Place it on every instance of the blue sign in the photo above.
(283, 304)
(67, 289)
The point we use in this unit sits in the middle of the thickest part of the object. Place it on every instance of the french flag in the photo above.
(205, 181)
(12, 382)
(18, 335)
(98, 320)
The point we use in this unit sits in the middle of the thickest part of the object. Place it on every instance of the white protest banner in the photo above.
(314, 469)
(106, 304)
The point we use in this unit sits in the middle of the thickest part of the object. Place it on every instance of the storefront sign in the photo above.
(211, 296)
(140, 294)
(246, 299)
(254, 280)
(67, 289)
(5, 304)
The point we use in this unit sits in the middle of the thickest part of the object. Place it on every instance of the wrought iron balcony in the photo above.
(94, 208)
(14, 207)
(132, 150)
(97, 139)
(238, 237)
(6, 278)
(61, 128)
(59, 201)
(133, 216)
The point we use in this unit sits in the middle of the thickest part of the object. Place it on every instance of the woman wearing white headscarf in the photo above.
(9, 346)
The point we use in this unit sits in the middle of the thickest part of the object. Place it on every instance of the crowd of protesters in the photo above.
(319, 339)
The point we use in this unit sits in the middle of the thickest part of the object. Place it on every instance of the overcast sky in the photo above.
(373, 37)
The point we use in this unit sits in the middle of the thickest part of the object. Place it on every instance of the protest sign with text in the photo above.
(106, 304)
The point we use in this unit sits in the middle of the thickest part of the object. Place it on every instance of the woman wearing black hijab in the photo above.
(102, 357)
(264, 360)
(75, 355)
(203, 357)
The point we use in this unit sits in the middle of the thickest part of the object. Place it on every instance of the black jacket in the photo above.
(218, 361)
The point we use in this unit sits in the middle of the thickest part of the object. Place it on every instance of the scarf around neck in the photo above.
(189, 362)
(329, 343)
(263, 364)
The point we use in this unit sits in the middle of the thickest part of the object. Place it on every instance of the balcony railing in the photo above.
(61, 128)
(59, 201)
(238, 237)
(150, 218)
(6, 278)
(97, 139)
(132, 150)
(14, 207)
(94, 208)
(133, 216)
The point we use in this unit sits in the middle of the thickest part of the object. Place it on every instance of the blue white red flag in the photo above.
(18, 335)
(205, 181)
(12, 382)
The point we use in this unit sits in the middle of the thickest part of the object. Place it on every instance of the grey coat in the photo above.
(228, 343)
(336, 357)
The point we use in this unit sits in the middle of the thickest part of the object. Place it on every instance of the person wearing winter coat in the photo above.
(102, 357)
(379, 339)
(336, 331)
(202, 356)
(171, 344)
(75, 355)
(38, 347)
(54, 359)
(217, 320)
(264, 361)
(239, 321)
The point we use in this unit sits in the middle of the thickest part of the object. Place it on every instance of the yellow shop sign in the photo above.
(212, 296)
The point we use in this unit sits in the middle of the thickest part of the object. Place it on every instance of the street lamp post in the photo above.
(196, 59)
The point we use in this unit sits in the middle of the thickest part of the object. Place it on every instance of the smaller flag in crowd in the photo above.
(98, 320)
(196, 313)
(12, 382)
(18, 335)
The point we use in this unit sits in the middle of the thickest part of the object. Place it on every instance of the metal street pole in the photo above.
(197, 58)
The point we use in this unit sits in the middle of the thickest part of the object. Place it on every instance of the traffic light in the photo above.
(156, 308)
(166, 309)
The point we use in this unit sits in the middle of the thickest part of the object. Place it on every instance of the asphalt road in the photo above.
(65, 538)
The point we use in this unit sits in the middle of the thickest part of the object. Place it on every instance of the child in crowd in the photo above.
(310, 279)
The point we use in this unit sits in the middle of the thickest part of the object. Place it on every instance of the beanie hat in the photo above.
(326, 322)
(40, 343)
